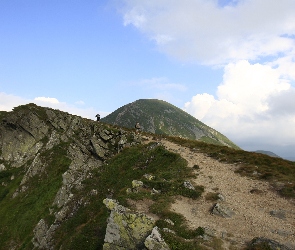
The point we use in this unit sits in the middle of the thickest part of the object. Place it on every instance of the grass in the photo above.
(87, 228)
(20, 215)
(2, 114)
(253, 165)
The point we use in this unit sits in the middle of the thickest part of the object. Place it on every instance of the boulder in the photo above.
(149, 177)
(188, 185)
(265, 243)
(222, 210)
(126, 229)
(2, 167)
(137, 184)
(279, 214)
(155, 242)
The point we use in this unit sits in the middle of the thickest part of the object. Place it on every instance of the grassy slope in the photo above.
(20, 215)
(86, 229)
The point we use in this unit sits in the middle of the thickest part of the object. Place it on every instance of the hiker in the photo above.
(137, 127)
(97, 117)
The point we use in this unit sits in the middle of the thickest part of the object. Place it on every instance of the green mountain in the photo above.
(72, 183)
(160, 117)
(267, 153)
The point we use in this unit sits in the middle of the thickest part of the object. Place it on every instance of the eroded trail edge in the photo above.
(258, 211)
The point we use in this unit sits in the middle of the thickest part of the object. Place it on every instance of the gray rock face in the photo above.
(19, 137)
(43, 235)
(267, 244)
(155, 242)
(222, 210)
(126, 229)
(27, 137)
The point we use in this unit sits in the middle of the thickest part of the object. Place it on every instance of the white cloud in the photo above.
(80, 103)
(158, 84)
(203, 31)
(161, 83)
(254, 103)
(48, 100)
(8, 102)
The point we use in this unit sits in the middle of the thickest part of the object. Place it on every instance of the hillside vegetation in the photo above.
(56, 169)
(160, 117)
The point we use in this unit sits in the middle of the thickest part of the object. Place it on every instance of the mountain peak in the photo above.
(160, 117)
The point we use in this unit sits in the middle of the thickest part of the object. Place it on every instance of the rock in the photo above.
(149, 177)
(284, 233)
(279, 214)
(155, 242)
(137, 184)
(126, 229)
(20, 135)
(99, 147)
(43, 235)
(36, 168)
(221, 197)
(30, 135)
(267, 244)
(40, 235)
(222, 210)
(167, 230)
(154, 191)
(53, 140)
(188, 185)
(2, 167)
(105, 135)
(169, 222)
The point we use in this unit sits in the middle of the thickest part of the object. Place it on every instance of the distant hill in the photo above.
(160, 117)
(267, 153)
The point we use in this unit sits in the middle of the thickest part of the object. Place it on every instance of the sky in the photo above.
(229, 63)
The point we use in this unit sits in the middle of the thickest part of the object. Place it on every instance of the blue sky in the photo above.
(231, 64)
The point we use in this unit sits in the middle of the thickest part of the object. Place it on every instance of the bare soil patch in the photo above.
(255, 204)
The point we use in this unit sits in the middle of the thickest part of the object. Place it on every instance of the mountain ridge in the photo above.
(67, 182)
(161, 117)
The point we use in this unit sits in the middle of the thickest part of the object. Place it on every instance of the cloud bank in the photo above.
(260, 105)
(254, 42)
(8, 102)
(205, 32)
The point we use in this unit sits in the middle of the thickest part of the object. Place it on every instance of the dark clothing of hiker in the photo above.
(97, 117)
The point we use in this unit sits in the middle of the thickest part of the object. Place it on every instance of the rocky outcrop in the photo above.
(126, 229)
(264, 243)
(43, 235)
(28, 137)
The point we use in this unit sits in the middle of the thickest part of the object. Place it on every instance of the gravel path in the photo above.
(252, 209)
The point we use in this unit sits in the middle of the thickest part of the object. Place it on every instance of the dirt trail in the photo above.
(252, 210)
